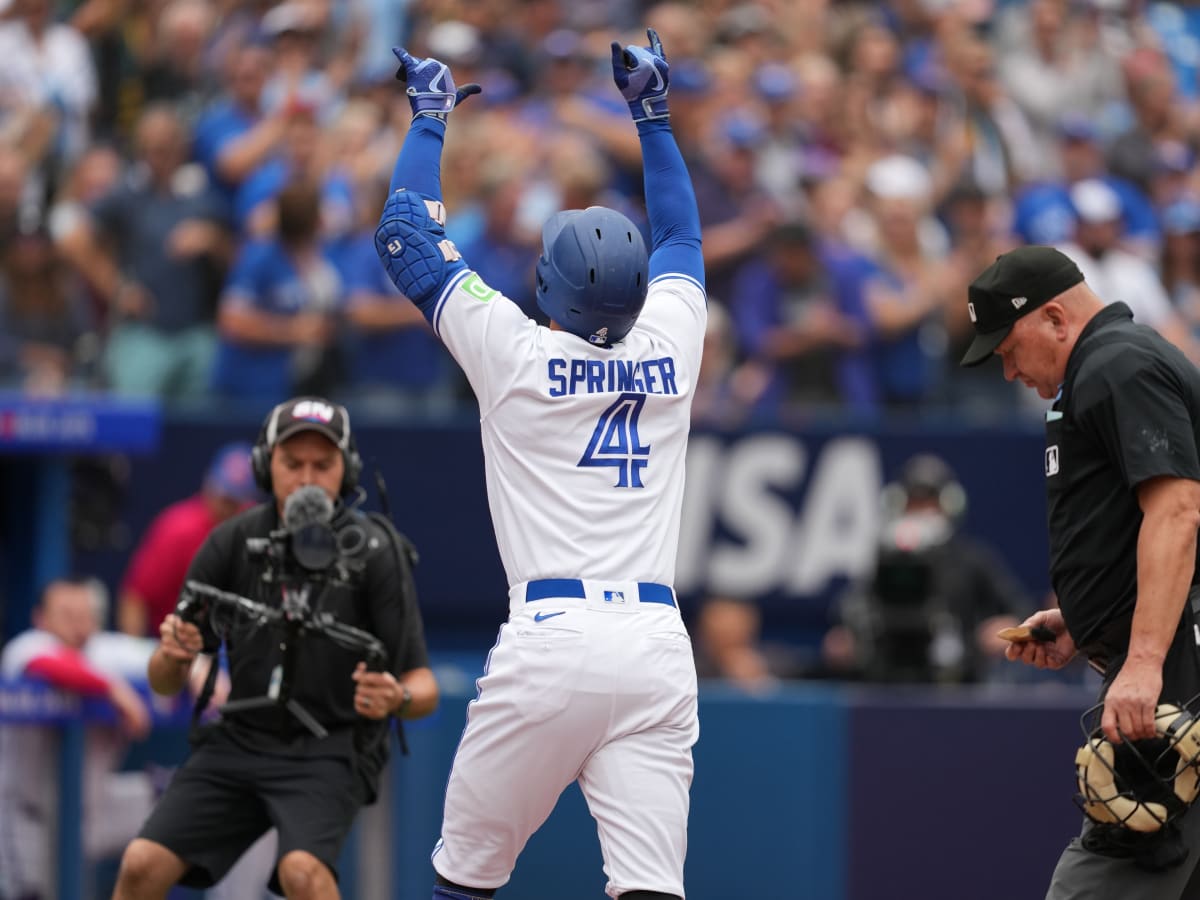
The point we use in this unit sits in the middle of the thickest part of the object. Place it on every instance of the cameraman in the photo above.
(264, 767)
(930, 609)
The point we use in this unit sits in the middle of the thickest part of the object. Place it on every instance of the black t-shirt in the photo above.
(380, 600)
(1128, 411)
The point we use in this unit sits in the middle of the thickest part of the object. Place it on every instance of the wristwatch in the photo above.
(404, 703)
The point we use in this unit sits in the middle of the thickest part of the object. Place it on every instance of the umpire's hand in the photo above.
(1045, 654)
(1131, 701)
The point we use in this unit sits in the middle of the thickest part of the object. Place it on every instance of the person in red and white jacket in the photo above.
(67, 649)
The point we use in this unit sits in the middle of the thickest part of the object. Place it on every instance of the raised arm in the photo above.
(411, 238)
(643, 77)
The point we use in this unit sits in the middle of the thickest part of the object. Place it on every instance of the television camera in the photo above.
(304, 554)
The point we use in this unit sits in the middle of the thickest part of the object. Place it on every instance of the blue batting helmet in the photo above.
(591, 276)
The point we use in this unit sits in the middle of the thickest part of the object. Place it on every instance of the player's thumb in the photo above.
(467, 90)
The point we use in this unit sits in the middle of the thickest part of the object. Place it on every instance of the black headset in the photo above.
(260, 453)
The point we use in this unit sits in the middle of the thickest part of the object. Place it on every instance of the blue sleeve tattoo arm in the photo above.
(419, 165)
(670, 204)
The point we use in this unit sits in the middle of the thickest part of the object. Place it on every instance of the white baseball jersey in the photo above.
(584, 446)
(584, 451)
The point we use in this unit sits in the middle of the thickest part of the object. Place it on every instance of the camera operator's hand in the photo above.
(179, 644)
(377, 693)
(179, 640)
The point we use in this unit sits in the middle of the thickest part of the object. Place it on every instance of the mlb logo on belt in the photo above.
(614, 596)
(1052, 460)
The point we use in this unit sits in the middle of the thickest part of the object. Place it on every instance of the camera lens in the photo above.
(351, 540)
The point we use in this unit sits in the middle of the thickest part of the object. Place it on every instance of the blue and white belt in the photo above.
(617, 593)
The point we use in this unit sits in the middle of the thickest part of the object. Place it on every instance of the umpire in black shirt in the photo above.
(263, 768)
(1123, 503)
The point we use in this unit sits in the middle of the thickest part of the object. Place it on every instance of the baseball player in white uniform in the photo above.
(584, 427)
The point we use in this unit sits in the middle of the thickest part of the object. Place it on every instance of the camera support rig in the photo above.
(295, 618)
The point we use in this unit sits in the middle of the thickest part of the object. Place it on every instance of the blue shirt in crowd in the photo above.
(1043, 213)
(337, 195)
(399, 357)
(266, 278)
(140, 219)
(216, 128)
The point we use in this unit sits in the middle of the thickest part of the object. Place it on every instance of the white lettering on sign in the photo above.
(65, 426)
(740, 533)
(838, 532)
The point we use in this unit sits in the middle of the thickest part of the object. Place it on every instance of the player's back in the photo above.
(584, 445)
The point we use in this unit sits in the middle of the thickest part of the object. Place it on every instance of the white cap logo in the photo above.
(1018, 302)
(971, 311)
(313, 410)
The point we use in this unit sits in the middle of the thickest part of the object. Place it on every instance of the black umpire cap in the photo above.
(1017, 283)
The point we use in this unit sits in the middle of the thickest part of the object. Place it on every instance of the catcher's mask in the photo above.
(1140, 785)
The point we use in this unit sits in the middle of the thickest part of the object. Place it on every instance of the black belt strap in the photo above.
(206, 692)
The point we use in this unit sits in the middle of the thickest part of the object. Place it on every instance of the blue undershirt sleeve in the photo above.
(419, 165)
(670, 204)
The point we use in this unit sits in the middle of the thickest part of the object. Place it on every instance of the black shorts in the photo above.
(225, 797)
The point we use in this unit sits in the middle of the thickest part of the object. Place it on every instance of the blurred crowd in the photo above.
(188, 188)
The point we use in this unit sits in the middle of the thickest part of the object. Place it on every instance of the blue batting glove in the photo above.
(430, 90)
(641, 74)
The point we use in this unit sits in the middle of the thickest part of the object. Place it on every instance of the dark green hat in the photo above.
(1017, 283)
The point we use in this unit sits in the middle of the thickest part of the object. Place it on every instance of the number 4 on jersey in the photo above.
(615, 441)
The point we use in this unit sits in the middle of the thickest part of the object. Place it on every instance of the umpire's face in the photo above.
(304, 459)
(1035, 351)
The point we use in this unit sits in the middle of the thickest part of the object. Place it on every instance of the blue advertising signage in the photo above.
(784, 517)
